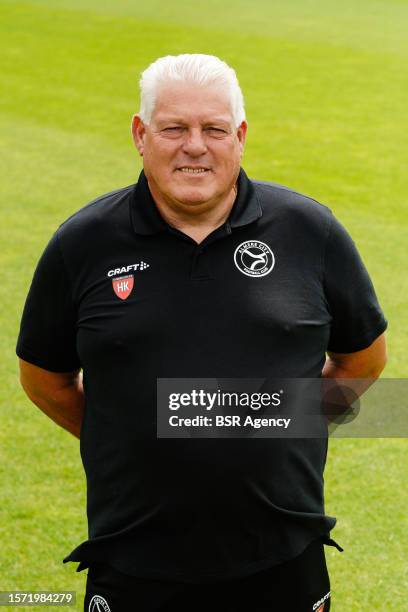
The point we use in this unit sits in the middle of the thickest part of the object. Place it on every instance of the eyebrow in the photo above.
(182, 121)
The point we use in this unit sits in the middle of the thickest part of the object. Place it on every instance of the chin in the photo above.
(192, 196)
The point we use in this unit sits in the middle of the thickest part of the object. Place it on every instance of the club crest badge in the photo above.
(254, 258)
(123, 286)
(98, 604)
(320, 606)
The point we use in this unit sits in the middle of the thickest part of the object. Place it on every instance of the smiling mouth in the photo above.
(191, 170)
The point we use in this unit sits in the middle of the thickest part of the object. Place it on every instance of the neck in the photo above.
(199, 224)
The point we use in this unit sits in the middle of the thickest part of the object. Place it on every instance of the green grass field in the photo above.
(326, 96)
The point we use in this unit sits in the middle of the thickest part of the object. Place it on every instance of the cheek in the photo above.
(157, 160)
(231, 159)
(230, 153)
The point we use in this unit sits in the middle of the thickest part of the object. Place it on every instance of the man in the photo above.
(196, 272)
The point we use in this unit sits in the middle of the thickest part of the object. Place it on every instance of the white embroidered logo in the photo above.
(98, 604)
(254, 258)
(320, 605)
(142, 265)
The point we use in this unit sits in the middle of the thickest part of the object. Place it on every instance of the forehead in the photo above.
(191, 102)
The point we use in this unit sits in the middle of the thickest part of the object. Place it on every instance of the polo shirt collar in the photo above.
(146, 219)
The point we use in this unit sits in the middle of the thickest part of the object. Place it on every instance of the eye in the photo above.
(215, 131)
(173, 129)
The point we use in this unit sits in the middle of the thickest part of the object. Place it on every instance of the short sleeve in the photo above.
(357, 318)
(47, 335)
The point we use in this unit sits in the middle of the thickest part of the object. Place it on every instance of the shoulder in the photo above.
(294, 211)
(285, 198)
(101, 212)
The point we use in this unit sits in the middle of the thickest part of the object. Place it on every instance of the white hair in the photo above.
(191, 68)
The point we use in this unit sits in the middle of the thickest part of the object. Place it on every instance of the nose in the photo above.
(194, 143)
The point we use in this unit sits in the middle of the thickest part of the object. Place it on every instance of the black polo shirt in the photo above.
(129, 299)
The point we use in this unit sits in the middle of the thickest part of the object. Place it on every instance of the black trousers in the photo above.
(299, 585)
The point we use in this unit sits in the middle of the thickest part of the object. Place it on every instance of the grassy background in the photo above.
(326, 97)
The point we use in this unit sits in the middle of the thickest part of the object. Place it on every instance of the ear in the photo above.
(138, 133)
(241, 135)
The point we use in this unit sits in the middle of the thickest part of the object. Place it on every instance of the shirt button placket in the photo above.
(199, 266)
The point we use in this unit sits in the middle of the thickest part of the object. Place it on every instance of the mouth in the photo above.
(193, 170)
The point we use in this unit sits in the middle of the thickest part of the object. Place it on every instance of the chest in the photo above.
(171, 298)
